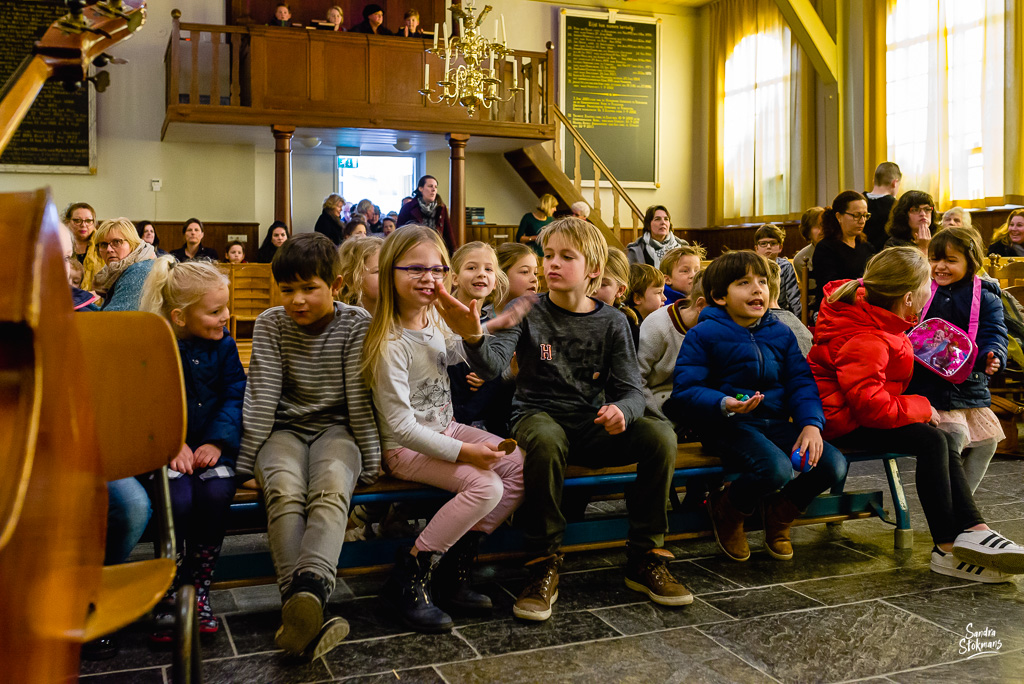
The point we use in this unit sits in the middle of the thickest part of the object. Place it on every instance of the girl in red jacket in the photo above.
(862, 361)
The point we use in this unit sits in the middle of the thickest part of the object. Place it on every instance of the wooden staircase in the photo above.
(543, 174)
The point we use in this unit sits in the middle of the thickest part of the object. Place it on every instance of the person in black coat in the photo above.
(276, 236)
(193, 248)
(329, 222)
(844, 252)
(373, 22)
(427, 209)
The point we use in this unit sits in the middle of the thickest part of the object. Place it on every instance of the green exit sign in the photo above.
(348, 162)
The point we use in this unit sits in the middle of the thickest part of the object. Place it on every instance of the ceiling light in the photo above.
(403, 145)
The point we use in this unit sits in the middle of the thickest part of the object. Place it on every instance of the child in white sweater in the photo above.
(661, 336)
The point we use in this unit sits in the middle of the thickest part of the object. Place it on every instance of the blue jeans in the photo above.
(760, 449)
(127, 516)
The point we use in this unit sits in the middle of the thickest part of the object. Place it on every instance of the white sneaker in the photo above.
(991, 549)
(946, 564)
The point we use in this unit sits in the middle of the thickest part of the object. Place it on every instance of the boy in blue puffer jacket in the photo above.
(740, 377)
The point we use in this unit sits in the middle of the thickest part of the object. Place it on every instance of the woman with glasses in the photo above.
(844, 251)
(81, 221)
(128, 262)
(911, 221)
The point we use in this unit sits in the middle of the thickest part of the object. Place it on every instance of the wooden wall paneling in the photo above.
(378, 55)
(403, 64)
(286, 71)
(215, 235)
(317, 72)
(346, 70)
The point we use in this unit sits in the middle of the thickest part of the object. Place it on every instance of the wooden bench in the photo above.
(695, 474)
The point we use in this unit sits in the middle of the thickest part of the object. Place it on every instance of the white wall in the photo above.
(236, 182)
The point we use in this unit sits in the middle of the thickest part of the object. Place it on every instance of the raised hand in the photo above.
(463, 320)
(514, 313)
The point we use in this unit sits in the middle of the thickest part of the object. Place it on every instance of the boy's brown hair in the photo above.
(697, 290)
(727, 269)
(668, 262)
(585, 238)
(770, 231)
(642, 277)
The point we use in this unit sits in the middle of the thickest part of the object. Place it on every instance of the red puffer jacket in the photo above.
(862, 361)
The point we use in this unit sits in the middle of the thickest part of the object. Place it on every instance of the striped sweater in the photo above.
(308, 383)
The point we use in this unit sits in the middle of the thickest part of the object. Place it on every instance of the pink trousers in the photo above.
(483, 498)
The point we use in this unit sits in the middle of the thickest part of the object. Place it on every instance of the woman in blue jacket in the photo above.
(193, 297)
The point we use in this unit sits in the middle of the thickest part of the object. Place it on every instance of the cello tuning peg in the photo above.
(76, 7)
(72, 86)
(101, 81)
(105, 59)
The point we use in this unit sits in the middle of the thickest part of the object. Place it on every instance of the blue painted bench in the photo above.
(695, 471)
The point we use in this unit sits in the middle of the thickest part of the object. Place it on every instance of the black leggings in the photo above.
(941, 485)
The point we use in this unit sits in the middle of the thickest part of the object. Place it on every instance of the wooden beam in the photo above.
(457, 185)
(813, 37)
(283, 173)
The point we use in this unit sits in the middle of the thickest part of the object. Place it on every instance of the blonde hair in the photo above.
(333, 200)
(354, 253)
(171, 285)
(548, 203)
(888, 277)
(617, 268)
(668, 262)
(1002, 233)
(642, 277)
(500, 279)
(509, 253)
(127, 228)
(697, 290)
(774, 280)
(387, 324)
(586, 239)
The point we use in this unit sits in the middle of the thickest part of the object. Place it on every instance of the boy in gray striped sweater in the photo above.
(308, 434)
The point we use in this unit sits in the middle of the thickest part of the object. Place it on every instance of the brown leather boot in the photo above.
(727, 521)
(778, 513)
(541, 592)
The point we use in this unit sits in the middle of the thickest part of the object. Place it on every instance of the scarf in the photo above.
(656, 250)
(108, 275)
(429, 212)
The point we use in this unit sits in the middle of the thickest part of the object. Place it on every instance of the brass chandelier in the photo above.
(470, 84)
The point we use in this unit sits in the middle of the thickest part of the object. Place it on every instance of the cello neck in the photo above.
(19, 93)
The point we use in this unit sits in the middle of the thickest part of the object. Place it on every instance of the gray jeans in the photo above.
(307, 484)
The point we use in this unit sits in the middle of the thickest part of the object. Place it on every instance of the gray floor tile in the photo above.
(422, 675)
(996, 606)
(151, 676)
(997, 669)
(850, 588)
(673, 656)
(700, 580)
(833, 644)
(398, 652)
(639, 618)
(506, 636)
(583, 590)
(1009, 511)
(138, 652)
(747, 603)
(266, 668)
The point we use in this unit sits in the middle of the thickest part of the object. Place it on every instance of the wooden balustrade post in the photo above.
(597, 188)
(549, 83)
(457, 185)
(283, 174)
(174, 59)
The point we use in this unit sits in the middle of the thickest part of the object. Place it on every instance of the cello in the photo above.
(57, 444)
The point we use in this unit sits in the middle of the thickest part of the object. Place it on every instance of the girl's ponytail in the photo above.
(888, 277)
(171, 285)
(156, 282)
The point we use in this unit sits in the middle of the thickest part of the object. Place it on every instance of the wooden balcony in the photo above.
(264, 76)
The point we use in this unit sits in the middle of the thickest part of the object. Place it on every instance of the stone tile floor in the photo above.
(847, 608)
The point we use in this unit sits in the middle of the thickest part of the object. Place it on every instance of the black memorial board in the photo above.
(57, 134)
(610, 94)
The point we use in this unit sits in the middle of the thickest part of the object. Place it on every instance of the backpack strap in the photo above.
(972, 328)
(924, 311)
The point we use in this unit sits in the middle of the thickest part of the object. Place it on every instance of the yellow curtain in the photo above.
(1013, 160)
(761, 162)
(945, 98)
(875, 150)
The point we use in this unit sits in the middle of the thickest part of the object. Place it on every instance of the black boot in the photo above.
(408, 589)
(452, 586)
(204, 560)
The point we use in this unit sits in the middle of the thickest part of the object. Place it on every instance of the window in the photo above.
(384, 180)
(944, 97)
(756, 138)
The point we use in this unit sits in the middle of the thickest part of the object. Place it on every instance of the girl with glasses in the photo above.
(912, 221)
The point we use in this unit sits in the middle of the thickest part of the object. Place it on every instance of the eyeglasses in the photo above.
(115, 243)
(82, 222)
(921, 210)
(767, 243)
(417, 272)
(858, 217)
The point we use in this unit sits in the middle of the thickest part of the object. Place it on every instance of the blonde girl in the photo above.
(520, 265)
(193, 297)
(359, 272)
(406, 353)
(862, 361)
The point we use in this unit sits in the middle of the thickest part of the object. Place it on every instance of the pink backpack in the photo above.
(942, 347)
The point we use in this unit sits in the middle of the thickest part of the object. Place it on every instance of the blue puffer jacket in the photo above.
(721, 359)
(214, 388)
(953, 303)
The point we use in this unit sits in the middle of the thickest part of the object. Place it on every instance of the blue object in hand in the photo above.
(800, 463)
(742, 397)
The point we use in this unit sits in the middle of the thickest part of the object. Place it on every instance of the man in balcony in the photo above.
(373, 22)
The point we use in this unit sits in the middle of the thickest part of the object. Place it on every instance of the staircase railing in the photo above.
(581, 147)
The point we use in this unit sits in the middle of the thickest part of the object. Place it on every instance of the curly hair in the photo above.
(898, 225)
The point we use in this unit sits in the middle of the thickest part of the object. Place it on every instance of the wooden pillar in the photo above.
(457, 185)
(283, 174)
